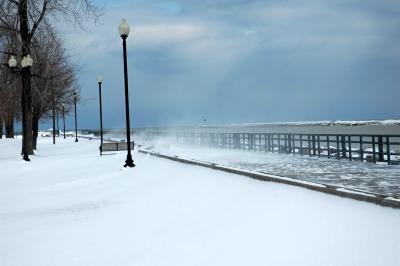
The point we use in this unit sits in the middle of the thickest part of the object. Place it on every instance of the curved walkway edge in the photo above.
(329, 189)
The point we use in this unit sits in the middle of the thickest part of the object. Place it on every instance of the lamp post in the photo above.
(26, 64)
(124, 32)
(100, 81)
(63, 114)
(76, 123)
(53, 111)
(58, 125)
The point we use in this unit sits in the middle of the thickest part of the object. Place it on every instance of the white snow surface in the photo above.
(69, 206)
(356, 192)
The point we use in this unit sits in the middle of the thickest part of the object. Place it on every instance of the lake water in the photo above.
(362, 128)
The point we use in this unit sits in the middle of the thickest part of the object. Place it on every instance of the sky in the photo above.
(240, 61)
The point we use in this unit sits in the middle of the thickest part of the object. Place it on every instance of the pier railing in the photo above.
(370, 148)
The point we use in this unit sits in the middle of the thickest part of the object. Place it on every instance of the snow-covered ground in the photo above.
(69, 206)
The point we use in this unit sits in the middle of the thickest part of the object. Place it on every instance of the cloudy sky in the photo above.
(232, 61)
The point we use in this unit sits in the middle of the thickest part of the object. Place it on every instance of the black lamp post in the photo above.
(76, 122)
(58, 125)
(53, 112)
(26, 64)
(63, 114)
(100, 81)
(124, 32)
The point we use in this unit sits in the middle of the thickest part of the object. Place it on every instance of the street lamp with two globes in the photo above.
(26, 64)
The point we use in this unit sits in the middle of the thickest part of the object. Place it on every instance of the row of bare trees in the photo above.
(54, 79)
(27, 27)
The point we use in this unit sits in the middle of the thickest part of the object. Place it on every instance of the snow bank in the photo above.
(70, 206)
(327, 123)
(387, 122)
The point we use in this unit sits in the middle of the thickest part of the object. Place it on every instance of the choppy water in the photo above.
(361, 129)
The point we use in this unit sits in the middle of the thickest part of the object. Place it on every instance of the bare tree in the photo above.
(9, 99)
(23, 19)
(54, 80)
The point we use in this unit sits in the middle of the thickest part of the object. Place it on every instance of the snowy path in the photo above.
(71, 207)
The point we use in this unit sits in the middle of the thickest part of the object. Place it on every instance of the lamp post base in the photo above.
(26, 158)
(76, 140)
(129, 161)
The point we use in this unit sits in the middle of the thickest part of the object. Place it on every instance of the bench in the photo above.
(115, 146)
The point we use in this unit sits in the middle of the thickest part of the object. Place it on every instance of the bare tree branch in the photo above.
(37, 22)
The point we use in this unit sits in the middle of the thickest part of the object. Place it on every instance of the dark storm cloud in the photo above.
(245, 61)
